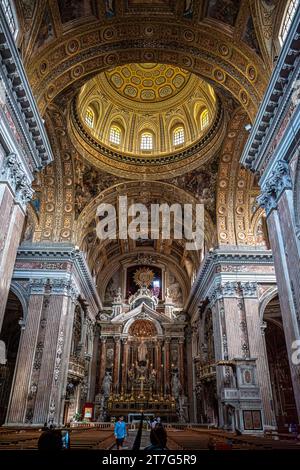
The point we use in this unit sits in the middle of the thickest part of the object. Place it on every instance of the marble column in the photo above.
(125, 366)
(286, 296)
(9, 242)
(26, 354)
(15, 192)
(277, 200)
(51, 380)
(257, 349)
(102, 362)
(189, 374)
(116, 373)
(239, 346)
(191, 353)
(285, 209)
(93, 366)
(61, 384)
(220, 346)
(158, 367)
(181, 363)
(167, 366)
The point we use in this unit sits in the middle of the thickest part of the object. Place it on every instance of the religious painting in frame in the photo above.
(252, 420)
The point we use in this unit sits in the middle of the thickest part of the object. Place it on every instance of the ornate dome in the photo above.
(136, 116)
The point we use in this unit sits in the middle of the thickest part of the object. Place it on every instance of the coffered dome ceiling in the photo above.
(148, 83)
(149, 119)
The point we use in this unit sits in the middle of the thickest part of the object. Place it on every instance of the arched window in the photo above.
(147, 141)
(178, 136)
(8, 11)
(287, 19)
(204, 119)
(115, 135)
(89, 117)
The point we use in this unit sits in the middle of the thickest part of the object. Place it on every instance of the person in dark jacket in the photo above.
(158, 437)
(50, 440)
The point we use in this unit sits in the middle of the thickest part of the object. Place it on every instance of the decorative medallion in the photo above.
(143, 277)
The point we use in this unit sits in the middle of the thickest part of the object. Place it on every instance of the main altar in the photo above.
(142, 355)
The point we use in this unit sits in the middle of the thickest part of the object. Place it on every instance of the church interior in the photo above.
(152, 102)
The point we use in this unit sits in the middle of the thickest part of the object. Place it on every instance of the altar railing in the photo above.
(83, 425)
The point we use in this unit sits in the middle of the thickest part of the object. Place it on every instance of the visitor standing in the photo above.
(120, 432)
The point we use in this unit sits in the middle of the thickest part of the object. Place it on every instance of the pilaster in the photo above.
(277, 199)
(26, 355)
(59, 281)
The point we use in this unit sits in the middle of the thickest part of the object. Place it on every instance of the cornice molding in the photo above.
(276, 100)
(131, 166)
(20, 97)
(56, 256)
(141, 159)
(236, 256)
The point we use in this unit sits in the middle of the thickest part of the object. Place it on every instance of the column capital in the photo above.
(232, 289)
(267, 201)
(24, 192)
(64, 287)
(13, 174)
(37, 286)
(226, 289)
(278, 181)
(54, 286)
(249, 289)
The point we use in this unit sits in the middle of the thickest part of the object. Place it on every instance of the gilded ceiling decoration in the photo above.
(105, 40)
(226, 12)
(142, 329)
(237, 217)
(227, 44)
(106, 256)
(147, 83)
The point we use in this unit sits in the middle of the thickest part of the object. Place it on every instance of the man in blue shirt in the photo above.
(120, 432)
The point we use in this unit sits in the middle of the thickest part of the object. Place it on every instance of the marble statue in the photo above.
(181, 410)
(106, 384)
(3, 359)
(142, 351)
(176, 385)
